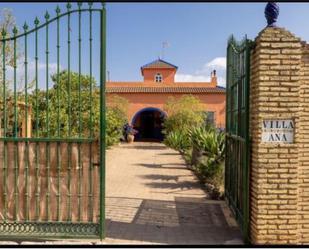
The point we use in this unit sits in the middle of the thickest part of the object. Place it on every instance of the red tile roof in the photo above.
(159, 64)
(163, 89)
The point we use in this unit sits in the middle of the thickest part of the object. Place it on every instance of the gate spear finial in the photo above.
(47, 16)
(25, 27)
(15, 30)
(3, 33)
(69, 6)
(58, 10)
(79, 5)
(36, 21)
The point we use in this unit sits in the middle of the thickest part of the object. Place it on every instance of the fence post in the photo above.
(102, 121)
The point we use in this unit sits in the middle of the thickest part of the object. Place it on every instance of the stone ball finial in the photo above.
(271, 13)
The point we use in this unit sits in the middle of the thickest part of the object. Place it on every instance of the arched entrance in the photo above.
(149, 123)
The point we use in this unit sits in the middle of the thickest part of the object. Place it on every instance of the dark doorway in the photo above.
(149, 123)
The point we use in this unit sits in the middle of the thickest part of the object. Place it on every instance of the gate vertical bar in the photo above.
(90, 206)
(247, 143)
(58, 116)
(102, 120)
(226, 122)
(69, 112)
(3, 33)
(79, 112)
(16, 166)
(37, 210)
(26, 158)
(47, 125)
(238, 82)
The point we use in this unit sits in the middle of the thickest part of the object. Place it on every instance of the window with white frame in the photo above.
(209, 117)
(158, 77)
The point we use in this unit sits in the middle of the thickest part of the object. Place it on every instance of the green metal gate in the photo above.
(52, 142)
(237, 130)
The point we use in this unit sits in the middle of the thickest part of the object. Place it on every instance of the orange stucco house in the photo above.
(147, 98)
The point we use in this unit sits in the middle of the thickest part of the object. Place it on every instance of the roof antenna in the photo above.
(108, 76)
(165, 44)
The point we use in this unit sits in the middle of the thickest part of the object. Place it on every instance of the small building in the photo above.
(147, 98)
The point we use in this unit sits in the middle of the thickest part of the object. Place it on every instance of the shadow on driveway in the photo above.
(183, 221)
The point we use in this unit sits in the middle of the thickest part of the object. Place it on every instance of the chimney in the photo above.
(214, 77)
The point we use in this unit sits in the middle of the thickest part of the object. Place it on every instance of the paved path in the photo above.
(152, 197)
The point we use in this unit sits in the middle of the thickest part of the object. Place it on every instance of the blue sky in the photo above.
(197, 34)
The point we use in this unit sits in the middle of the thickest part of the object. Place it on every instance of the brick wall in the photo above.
(278, 171)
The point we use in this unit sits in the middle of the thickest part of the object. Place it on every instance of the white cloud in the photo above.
(203, 74)
(191, 78)
(20, 73)
(52, 67)
(219, 62)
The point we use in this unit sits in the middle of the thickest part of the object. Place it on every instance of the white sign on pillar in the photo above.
(278, 131)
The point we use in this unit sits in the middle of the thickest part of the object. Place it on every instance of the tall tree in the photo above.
(7, 24)
(72, 116)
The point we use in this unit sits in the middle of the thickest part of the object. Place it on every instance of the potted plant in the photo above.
(130, 133)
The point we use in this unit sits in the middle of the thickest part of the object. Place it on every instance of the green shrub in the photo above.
(211, 172)
(178, 140)
(188, 156)
(115, 119)
(183, 113)
(211, 167)
(114, 123)
(74, 117)
(199, 136)
(201, 145)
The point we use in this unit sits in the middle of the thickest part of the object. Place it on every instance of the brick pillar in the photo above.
(275, 94)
